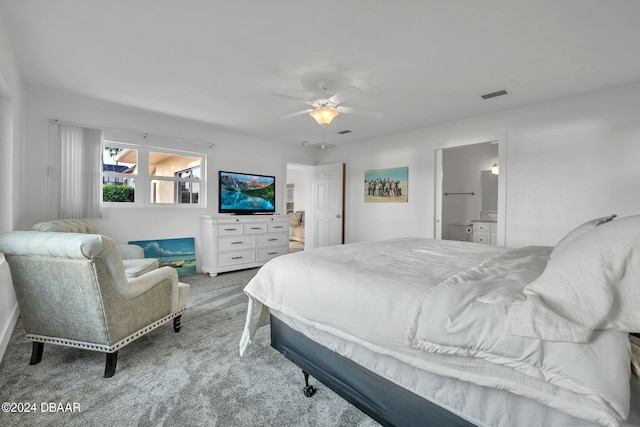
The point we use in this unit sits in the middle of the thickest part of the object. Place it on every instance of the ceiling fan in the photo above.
(324, 110)
(322, 144)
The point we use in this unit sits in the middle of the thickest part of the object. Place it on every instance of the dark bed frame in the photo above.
(384, 401)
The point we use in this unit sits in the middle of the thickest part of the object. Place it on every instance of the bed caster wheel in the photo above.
(309, 390)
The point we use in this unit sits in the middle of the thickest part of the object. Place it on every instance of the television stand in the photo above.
(237, 242)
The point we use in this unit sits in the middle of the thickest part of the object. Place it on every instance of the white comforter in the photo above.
(440, 306)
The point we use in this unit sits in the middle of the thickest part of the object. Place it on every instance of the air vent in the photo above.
(342, 132)
(494, 94)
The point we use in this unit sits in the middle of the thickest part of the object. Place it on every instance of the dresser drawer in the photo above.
(236, 257)
(235, 242)
(482, 227)
(227, 229)
(483, 238)
(266, 254)
(274, 228)
(272, 240)
(255, 228)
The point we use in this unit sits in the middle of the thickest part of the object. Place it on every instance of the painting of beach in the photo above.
(386, 185)
(177, 253)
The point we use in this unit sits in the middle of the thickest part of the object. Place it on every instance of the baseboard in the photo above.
(5, 336)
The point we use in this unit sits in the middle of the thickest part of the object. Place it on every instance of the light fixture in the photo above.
(324, 114)
(495, 169)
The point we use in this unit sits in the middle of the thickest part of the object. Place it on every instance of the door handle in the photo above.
(338, 216)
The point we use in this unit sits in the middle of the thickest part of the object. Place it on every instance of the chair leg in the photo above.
(36, 353)
(110, 367)
(176, 323)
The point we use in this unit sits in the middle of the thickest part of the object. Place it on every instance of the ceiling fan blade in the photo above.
(297, 113)
(294, 94)
(344, 94)
(360, 112)
(321, 145)
(290, 97)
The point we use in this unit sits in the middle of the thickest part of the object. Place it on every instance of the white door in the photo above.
(328, 205)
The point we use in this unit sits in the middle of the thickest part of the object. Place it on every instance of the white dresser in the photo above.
(236, 242)
(485, 232)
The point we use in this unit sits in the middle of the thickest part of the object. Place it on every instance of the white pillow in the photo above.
(579, 230)
(592, 283)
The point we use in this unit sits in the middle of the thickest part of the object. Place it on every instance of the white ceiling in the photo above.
(240, 64)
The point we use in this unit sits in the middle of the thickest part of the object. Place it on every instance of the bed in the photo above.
(429, 332)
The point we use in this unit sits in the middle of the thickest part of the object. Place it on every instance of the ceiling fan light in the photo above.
(324, 115)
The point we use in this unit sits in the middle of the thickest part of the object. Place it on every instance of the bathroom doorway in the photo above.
(469, 188)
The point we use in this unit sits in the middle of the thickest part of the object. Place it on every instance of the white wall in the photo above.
(11, 171)
(565, 161)
(231, 151)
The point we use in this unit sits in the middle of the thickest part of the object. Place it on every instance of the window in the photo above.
(118, 174)
(173, 178)
(176, 177)
(188, 191)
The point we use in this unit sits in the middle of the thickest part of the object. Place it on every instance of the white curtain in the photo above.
(79, 172)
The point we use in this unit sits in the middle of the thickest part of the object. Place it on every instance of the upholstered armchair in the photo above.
(135, 264)
(72, 290)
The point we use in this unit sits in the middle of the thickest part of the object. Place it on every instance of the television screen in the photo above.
(243, 193)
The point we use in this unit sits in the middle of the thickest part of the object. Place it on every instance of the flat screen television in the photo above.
(246, 194)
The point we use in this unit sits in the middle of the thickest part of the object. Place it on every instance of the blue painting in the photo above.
(177, 253)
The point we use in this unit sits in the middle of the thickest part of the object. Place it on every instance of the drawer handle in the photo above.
(272, 240)
(237, 257)
(237, 243)
(272, 253)
(230, 229)
(256, 228)
(278, 226)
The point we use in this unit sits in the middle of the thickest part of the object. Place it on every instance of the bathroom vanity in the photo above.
(485, 232)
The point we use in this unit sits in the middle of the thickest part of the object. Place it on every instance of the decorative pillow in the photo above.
(592, 283)
(582, 228)
(295, 218)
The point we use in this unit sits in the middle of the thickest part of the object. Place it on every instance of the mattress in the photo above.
(367, 302)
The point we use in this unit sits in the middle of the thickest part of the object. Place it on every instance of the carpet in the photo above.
(193, 378)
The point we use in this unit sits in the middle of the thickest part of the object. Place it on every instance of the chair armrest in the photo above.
(142, 284)
(141, 301)
(131, 251)
(139, 285)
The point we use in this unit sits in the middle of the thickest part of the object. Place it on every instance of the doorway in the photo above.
(467, 190)
(299, 205)
(315, 205)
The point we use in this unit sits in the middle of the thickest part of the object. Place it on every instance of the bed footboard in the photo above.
(386, 402)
